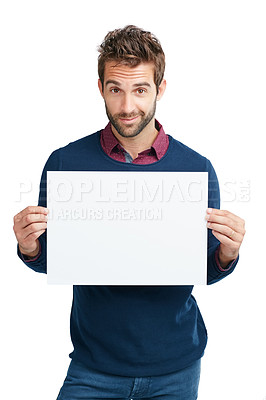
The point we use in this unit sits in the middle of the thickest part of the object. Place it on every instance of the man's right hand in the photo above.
(29, 224)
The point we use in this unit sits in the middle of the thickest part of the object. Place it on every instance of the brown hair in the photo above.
(131, 46)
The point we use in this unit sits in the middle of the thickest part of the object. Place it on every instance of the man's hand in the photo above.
(29, 224)
(229, 229)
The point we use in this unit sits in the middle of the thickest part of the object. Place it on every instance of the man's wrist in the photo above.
(31, 254)
(225, 260)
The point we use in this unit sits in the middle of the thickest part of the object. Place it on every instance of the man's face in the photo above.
(130, 97)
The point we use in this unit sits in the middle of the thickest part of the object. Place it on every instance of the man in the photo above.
(133, 341)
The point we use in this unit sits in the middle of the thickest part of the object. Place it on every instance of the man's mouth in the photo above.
(129, 120)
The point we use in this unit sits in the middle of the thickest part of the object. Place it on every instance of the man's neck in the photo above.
(137, 144)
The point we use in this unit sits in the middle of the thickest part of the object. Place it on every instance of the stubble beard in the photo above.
(131, 130)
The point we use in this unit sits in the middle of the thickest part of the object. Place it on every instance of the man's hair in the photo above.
(130, 46)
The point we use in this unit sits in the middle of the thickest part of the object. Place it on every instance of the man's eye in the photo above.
(140, 91)
(114, 90)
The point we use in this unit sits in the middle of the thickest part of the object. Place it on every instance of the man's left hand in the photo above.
(229, 229)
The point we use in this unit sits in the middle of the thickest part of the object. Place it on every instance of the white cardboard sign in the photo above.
(127, 228)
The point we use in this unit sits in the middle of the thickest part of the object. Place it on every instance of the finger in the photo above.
(31, 238)
(226, 230)
(32, 228)
(236, 225)
(31, 210)
(225, 240)
(225, 213)
(220, 219)
(30, 219)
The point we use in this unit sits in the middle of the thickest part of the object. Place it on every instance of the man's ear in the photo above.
(161, 89)
(100, 86)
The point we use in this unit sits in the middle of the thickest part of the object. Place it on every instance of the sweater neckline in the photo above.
(132, 164)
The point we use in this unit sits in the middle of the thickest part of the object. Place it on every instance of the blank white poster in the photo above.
(127, 228)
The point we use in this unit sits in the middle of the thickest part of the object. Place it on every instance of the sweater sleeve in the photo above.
(215, 271)
(38, 263)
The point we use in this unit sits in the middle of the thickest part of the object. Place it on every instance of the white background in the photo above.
(214, 103)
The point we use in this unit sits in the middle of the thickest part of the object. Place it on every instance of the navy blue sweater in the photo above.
(134, 330)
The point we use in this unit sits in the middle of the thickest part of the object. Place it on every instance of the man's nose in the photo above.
(128, 105)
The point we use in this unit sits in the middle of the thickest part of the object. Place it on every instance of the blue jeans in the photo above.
(82, 383)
